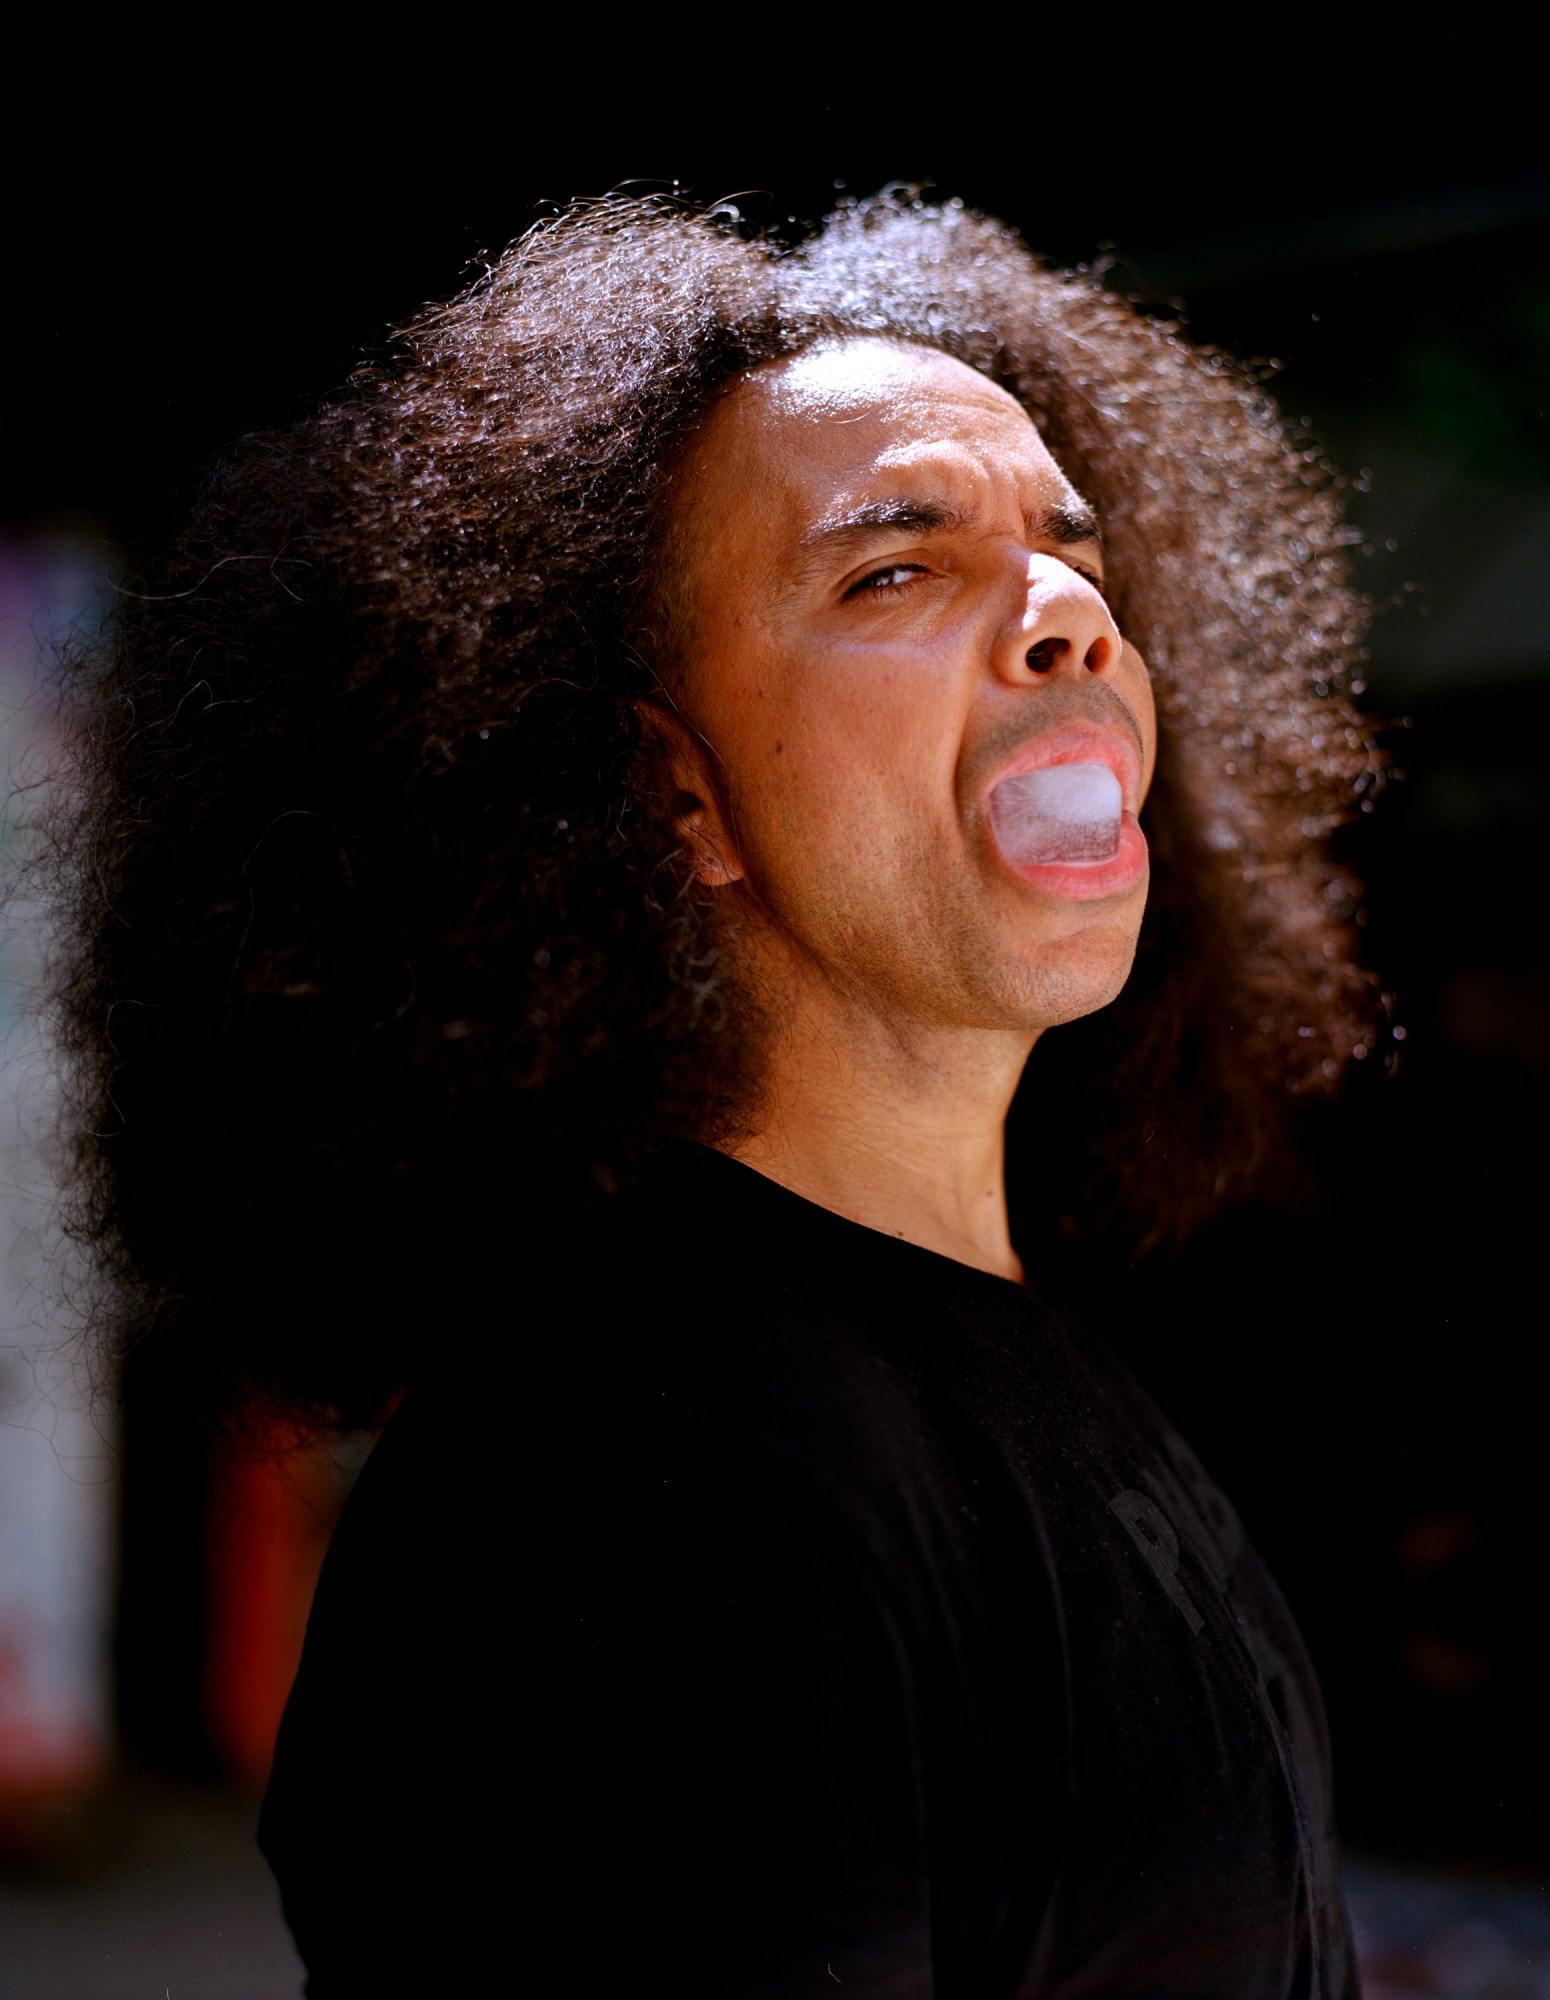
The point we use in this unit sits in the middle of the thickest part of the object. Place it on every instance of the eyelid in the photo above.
(1089, 575)
(882, 569)
(1083, 570)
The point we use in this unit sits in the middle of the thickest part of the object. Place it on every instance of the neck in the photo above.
(902, 1130)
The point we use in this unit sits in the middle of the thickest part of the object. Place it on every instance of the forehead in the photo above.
(846, 382)
(799, 439)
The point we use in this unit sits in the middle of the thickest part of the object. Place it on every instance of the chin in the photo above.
(1065, 979)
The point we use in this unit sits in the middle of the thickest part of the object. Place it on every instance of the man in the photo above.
(895, 622)
(612, 824)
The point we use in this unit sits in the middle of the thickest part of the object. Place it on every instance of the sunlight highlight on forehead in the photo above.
(847, 379)
(844, 424)
(860, 410)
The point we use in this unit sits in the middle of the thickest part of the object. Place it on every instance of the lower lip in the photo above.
(1087, 881)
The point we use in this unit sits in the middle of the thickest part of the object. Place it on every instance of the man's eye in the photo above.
(894, 577)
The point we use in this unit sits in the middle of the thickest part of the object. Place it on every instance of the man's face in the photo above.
(892, 600)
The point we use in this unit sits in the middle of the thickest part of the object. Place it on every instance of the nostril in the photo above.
(1097, 656)
(1044, 657)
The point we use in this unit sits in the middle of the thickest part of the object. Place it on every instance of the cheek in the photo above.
(831, 766)
(1134, 683)
(881, 736)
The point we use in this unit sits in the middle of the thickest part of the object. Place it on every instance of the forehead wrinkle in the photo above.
(949, 485)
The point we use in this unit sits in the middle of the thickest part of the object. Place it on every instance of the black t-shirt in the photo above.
(807, 1613)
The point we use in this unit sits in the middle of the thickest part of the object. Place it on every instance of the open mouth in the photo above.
(1060, 814)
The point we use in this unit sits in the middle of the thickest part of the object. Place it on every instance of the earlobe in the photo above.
(704, 838)
(681, 761)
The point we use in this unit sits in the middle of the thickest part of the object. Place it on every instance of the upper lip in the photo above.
(1078, 743)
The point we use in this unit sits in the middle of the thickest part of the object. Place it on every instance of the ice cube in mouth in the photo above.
(1059, 813)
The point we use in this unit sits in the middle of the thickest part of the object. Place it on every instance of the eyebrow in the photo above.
(1066, 523)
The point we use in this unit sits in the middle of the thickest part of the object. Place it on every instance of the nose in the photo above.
(1062, 626)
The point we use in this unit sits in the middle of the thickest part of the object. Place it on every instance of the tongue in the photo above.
(1065, 812)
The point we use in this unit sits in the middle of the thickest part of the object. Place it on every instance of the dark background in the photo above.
(1358, 1366)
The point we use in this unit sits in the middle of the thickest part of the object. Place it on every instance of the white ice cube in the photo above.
(1059, 813)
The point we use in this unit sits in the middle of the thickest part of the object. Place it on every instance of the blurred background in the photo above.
(1355, 1363)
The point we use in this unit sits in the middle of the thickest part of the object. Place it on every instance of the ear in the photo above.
(683, 764)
